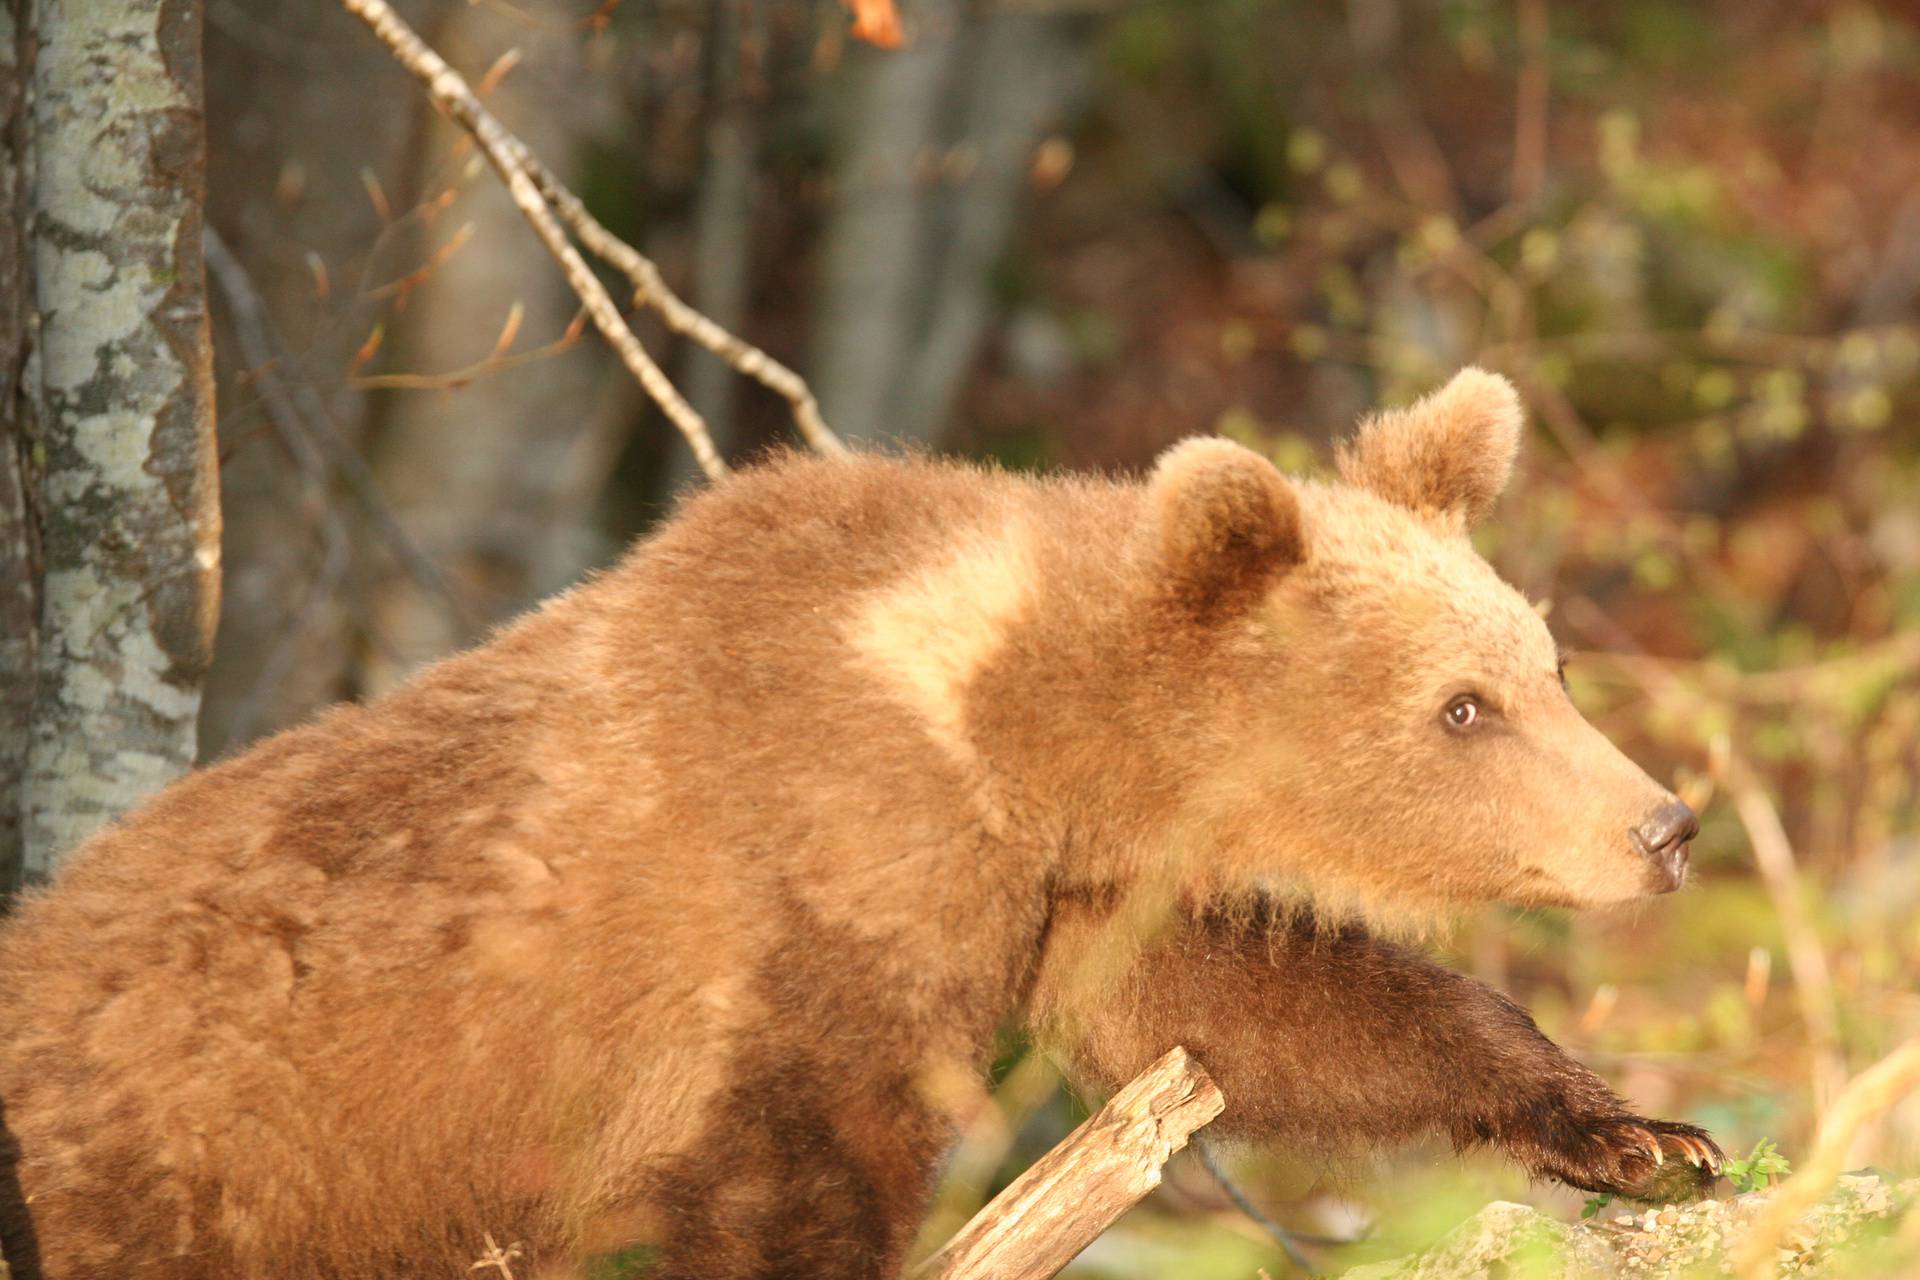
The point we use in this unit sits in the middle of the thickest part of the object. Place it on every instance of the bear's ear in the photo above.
(1228, 524)
(1448, 455)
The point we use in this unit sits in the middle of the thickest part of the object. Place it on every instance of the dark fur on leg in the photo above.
(1328, 1038)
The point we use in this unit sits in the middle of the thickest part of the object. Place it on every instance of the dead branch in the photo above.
(509, 159)
(306, 429)
(548, 204)
(1074, 1192)
(650, 289)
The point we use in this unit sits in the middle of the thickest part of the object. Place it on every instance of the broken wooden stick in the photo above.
(1074, 1192)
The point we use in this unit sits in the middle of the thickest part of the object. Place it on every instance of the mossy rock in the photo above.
(1849, 1235)
(1504, 1238)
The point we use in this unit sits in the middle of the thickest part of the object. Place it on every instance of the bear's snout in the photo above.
(1663, 839)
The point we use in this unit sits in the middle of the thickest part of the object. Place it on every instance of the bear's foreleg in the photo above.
(1325, 1039)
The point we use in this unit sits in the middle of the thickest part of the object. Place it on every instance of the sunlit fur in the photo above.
(1343, 678)
(686, 910)
(1447, 456)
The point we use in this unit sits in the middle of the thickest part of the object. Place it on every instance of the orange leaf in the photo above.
(877, 22)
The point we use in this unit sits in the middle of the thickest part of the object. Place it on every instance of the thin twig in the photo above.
(467, 374)
(300, 418)
(509, 158)
(1895, 657)
(650, 289)
(1288, 1241)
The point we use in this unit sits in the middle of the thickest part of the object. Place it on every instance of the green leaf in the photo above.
(1762, 1167)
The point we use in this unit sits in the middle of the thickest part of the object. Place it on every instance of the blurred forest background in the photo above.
(1064, 233)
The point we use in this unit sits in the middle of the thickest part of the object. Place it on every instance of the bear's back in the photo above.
(534, 888)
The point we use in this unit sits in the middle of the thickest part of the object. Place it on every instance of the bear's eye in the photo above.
(1463, 712)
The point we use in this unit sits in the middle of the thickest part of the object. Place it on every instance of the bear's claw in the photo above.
(1653, 1145)
(1627, 1156)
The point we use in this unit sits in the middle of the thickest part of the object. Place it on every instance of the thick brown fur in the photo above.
(1447, 456)
(686, 910)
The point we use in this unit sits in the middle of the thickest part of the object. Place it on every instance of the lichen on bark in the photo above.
(127, 506)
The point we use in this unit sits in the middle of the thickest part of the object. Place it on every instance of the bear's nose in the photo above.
(1662, 841)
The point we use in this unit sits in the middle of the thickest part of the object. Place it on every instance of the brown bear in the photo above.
(686, 910)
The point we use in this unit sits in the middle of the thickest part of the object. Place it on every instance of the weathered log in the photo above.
(1074, 1192)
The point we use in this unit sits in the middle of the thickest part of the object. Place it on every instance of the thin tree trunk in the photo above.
(870, 306)
(926, 198)
(723, 219)
(1023, 73)
(118, 397)
(310, 245)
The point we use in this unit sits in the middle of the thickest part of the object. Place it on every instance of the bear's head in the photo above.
(1388, 726)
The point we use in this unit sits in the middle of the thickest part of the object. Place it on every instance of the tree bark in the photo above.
(112, 411)
(19, 573)
(870, 306)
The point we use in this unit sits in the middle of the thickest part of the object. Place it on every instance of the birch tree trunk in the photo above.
(109, 516)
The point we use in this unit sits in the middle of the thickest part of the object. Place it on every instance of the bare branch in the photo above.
(1806, 957)
(300, 419)
(542, 197)
(650, 289)
(509, 158)
(1772, 853)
